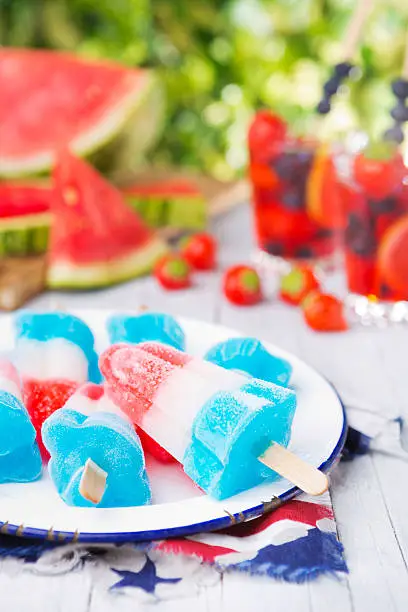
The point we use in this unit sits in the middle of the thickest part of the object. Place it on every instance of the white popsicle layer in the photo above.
(86, 401)
(9, 379)
(56, 358)
(172, 394)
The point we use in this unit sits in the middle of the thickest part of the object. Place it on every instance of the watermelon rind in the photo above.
(187, 213)
(124, 151)
(184, 212)
(65, 274)
(25, 235)
(123, 133)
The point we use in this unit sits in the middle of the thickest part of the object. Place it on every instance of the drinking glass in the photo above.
(295, 201)
(373, 189)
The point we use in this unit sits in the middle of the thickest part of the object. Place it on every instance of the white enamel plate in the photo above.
(179, 508)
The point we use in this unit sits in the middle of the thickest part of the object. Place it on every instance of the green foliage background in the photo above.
(221, 59)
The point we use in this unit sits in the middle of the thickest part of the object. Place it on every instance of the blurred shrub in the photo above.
(221, 59)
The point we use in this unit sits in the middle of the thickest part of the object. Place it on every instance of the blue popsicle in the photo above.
(20, 459)
(108, 440)
(232, 430)
(155, 326)
(35, 330)
(249, 355)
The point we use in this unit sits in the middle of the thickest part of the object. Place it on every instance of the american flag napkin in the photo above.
(296, 542)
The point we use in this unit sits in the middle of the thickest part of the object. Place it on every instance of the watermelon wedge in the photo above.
(24, 218)
(96, 238)
(174, 203)
(50, 99)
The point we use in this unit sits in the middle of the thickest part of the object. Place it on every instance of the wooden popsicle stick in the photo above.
(305, 476)
(56, 304)
(93, 482)
(355, 28)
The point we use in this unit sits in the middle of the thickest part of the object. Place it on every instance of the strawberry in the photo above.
(379, 170)
(173, 272)
(265, 131)
(242, 285)
(200, 251)
(324, 312)
(42, 398)
(296, 284)
(154, 449)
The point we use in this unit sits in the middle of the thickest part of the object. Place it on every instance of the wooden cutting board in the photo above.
(21, 278)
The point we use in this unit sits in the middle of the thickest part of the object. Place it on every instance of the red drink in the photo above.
(375, 200)
(295, 199)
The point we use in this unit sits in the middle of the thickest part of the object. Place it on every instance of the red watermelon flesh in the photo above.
(21, 199)
(96, 237)
(49, 99)
(166, 188)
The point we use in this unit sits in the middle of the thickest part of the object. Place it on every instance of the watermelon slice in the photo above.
(174, 203)
(96, 238)
(51, 99)
(24, 218)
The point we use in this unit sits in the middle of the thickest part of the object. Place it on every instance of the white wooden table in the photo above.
(370, 494)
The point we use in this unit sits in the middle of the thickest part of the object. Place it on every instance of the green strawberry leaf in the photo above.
(293, 282)
(250, 281)
(176, 268)
(380, 151)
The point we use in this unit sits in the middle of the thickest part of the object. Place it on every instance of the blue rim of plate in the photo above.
(68, 537)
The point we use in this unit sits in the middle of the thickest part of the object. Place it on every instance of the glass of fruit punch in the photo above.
(295, 200)
(373, 187)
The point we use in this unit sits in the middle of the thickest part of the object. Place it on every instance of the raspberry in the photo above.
(42, 398)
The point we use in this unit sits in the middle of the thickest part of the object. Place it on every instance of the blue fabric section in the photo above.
(298, 561)
(356, 443)
(29, 549)
(147, 579)
(303, 559)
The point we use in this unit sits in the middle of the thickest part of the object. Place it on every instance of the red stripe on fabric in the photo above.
(299, 511)
(205, 552)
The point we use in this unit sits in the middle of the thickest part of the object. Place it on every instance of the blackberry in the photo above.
(324, 232)
(293, 199)
(324, 106)
(274, 248)
(343, 69)
(400, 88)
(303, 160)
(305, 252)
(360, 236)
(385, 291)
(284, 166)
(386, 205)
(400, 112)
(331, 86)
(394, 134)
